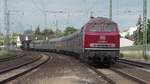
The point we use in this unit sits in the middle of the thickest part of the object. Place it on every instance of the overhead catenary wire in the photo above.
(90, 7)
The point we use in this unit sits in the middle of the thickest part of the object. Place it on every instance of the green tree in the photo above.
(69, 30)
(13, 38)
(1, 39)
(28, 32)
(138, 37)
(58, 33)
(48, 33)
(37, 31)
(140, 41)
(138, 34)
(45, 32)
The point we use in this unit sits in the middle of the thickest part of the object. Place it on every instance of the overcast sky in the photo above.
(27, 14)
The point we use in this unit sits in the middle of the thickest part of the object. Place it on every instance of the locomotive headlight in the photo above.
(112, 45)
(92, 45)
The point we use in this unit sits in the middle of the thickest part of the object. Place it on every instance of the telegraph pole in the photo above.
(145, 27)
(56, 24)
(0, 27)
(110, 9)
(8, 30)
(6, 23)
(68, 16)
(57, 29)
(45, 17)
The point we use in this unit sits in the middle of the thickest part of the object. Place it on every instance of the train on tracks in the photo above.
(98, 41)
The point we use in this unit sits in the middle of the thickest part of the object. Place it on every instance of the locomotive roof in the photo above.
(100, 20)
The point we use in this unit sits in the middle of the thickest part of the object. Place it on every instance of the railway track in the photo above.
(139, 70)
(13, 72)
(130, 77)
(13, 57)
(115, 76)
(135, 63)
(109, 80)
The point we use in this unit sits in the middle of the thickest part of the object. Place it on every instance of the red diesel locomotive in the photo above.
(97, 42)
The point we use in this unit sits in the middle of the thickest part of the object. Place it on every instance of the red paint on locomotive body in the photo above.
(101, 33)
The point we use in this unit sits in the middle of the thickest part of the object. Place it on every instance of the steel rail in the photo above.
(135, 63)
(23, 65)
(141, 81)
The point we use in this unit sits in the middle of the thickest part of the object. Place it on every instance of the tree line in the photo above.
(12, 40)
(49, 33)
(138, 34)
(38, 34)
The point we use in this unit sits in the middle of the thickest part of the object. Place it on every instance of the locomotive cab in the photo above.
(101, 41)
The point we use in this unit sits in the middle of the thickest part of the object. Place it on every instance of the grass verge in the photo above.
(134, 52)
(135, 55)
(132, 55)
(6, 54)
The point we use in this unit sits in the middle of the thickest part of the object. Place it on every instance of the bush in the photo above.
(147, 57)
(121, 55)
(5, 54)
(132, 54)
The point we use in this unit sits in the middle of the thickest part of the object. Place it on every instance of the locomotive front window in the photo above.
(96, 28)
(109, 28)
